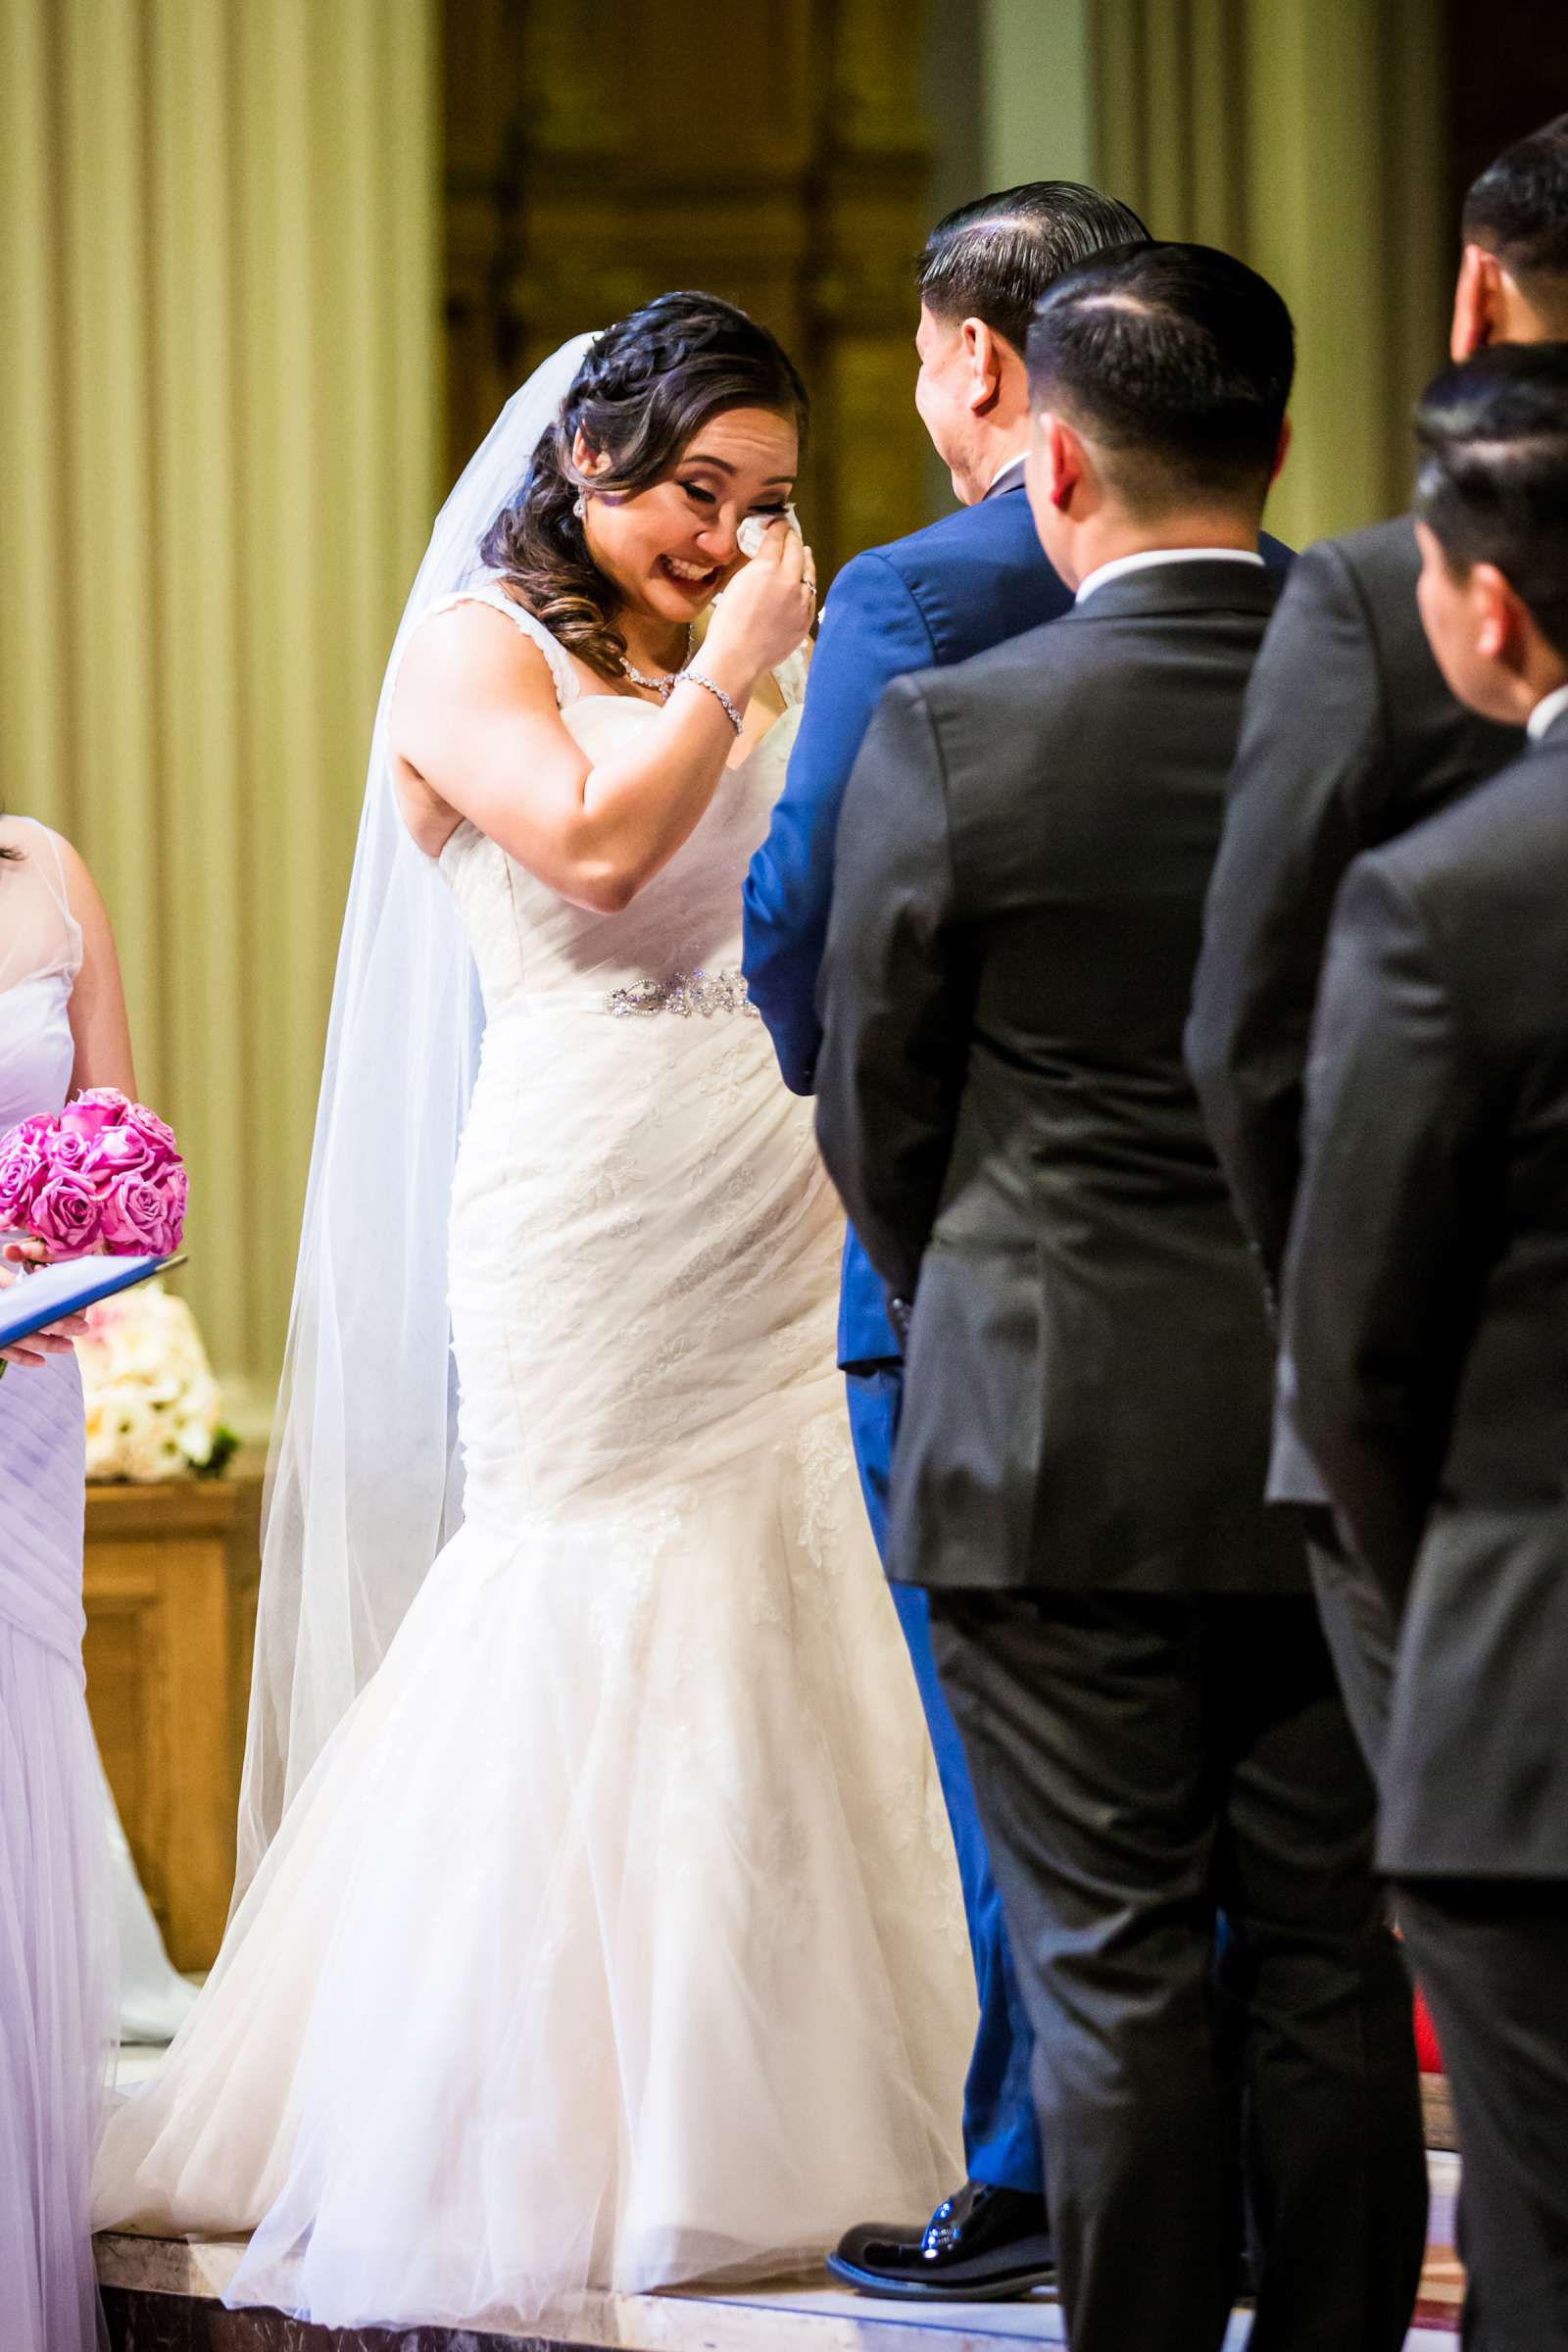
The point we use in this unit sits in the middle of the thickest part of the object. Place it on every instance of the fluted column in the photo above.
(1348, 213)
(1038, 64)
(1306, 136)
(216, 467)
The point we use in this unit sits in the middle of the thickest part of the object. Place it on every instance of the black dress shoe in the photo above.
(981, 2245)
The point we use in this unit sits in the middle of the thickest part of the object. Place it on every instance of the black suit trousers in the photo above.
(1145, 1765)
(1363, 1634)
(1492, 1958)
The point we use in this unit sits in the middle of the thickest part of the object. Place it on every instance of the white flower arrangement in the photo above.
(154, 1410)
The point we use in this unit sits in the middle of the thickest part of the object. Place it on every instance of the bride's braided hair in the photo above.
(642, 392)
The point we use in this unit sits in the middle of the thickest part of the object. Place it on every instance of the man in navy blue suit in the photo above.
(958, 588)
(955, 589)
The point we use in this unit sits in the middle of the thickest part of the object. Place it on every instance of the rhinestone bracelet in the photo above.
(696, 677)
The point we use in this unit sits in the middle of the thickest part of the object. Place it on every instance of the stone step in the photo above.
(163, 2295)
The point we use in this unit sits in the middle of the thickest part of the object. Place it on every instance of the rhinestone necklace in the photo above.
(664, 687)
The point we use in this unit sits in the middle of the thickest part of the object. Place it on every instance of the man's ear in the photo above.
(982, 351)
(1477, 304)
(1067, 461)
(1282, 449)
(1501, 619)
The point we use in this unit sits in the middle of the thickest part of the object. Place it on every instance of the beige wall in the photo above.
(217, 462)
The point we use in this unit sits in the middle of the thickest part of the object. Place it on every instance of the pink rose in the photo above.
(67, 1150)
(22, 1169)
(155, 1132)
(91, 1114)
(176, 1193)
(116, 1152)
(140, 1214)
(67, 1215)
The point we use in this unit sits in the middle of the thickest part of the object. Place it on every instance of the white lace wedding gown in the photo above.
(616, 1939)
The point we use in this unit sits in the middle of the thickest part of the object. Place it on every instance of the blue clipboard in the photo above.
(53, 1292)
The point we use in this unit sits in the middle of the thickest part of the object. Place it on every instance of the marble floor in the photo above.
(162, 2297)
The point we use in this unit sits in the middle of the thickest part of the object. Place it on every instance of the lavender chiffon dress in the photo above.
(58, 1969)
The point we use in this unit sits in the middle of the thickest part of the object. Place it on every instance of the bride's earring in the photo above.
(580, 506)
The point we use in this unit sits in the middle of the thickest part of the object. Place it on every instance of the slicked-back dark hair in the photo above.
(1492, 479)
(1518, 211)
(1177, 361)
(994, 258)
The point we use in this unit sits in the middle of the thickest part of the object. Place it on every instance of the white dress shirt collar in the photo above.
(1550, 705)
(1000, 480)
(1145, 556)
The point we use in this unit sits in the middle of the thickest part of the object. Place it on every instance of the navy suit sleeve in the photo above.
(873, 631)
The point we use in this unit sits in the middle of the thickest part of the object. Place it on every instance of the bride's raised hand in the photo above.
(476, 721)
(766, 610)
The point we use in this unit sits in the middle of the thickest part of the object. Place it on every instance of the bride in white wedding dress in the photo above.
(614, 1938)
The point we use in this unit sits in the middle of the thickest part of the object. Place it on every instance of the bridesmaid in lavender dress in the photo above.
(62, 1028)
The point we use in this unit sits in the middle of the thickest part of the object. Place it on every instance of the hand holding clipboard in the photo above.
(97, 1188)
(42, 1315)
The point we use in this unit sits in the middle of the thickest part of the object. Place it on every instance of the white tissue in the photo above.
(755, 528)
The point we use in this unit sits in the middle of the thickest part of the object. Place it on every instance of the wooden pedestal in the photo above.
(170, 1586)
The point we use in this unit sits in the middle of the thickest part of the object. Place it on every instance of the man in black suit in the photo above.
(1127, 1638)
(1427, 1316)
(1350, 734)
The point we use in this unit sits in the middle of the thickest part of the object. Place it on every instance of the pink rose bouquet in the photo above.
(102, 1175)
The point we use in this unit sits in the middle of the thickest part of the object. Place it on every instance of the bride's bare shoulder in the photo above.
(478, 638)
(467, 656)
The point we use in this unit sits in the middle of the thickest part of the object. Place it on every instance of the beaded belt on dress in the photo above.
(682, 993)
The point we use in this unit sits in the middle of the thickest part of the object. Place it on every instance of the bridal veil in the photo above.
(364, 1481)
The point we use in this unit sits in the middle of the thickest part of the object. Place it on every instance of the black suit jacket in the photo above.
(1427, 1306)
(1022, 859)
(1349, 736)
